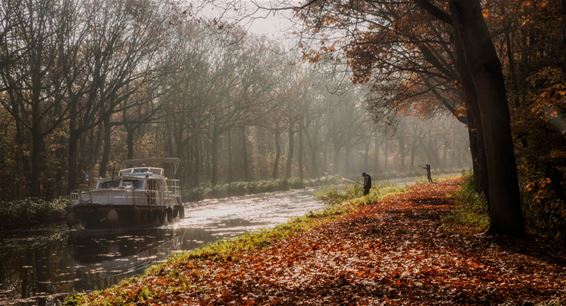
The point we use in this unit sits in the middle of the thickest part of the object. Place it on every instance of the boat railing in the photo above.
(135, 197)
(174, 188)
(77, 195)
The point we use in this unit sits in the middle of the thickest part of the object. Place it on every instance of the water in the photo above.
(41, 266)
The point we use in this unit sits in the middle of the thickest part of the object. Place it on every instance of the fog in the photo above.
(87, 84)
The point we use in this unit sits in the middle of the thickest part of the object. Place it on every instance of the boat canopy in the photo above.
(141, 171)
(169, 164)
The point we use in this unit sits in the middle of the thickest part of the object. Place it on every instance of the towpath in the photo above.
(395, 251)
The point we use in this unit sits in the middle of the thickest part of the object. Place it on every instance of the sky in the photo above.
(275, 25)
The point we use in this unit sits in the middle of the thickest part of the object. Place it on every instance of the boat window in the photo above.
(109, 184)
(141, 170)
(125, 172)
(136, 184)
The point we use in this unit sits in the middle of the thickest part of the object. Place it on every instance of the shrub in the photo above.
(32, 211)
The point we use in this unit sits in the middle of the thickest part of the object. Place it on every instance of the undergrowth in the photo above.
(31, 211)
(470, 209)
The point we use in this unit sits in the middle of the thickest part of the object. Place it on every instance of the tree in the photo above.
(469, 30)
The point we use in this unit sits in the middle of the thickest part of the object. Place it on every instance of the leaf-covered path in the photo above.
(394, 252)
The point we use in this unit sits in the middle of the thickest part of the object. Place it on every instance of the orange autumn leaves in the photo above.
(393, 252)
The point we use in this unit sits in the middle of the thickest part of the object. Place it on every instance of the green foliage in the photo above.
(339, 193)
(74, 299)
(471, 208)
(31, 211)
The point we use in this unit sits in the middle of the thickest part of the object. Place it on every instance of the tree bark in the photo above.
(214, 158)
(313, 153)
(300, 157)
(73, 159)
(36, 160)
(336, 159)
(401, 152)
(385, 152)
(291, 135)
(376, 150)
(106, 147)
(475, 131)
(130, 136)
(485, 68)
(245, 159)
(277, 139)
(230, 176)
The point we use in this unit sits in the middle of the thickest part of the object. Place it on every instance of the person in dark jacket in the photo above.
(428, 173)
(367, 183)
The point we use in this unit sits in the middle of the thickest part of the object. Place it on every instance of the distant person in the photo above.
(86, 176)
(428, 173)
(367, 183)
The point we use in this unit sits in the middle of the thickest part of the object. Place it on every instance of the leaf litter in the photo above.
(396, 251)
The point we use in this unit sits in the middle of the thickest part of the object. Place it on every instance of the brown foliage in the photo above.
(392, 252)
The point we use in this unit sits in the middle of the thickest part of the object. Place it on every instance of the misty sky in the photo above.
(275, 24)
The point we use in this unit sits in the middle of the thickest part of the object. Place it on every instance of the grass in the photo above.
(471, 208)
(31, 211)
(225, 249)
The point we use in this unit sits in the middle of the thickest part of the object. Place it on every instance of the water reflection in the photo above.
(41, 266)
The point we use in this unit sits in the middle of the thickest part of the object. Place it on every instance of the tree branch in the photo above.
(434, 11)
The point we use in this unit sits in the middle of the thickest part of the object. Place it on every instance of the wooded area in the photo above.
(497, 66)
(87, 84)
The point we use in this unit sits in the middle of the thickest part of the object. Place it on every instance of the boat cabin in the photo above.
(138, 195)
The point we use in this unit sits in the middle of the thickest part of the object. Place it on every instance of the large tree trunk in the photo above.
(300, 157)
(36, 160)
(245, 159)
(385, 153)
(376, 159)
(73, 159)
(314, 154)
(22, 165)
(485, 69)
(106, 147)
(277, 139)
(291, 135)
(230, 176)
(475, 131)
(130, 137)
(197, 160)
(214, 158)
(366, 153)
(36, 128)
(402, 154)
(336, 159)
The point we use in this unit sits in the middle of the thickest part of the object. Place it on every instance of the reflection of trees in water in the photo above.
(33, 265)
(109, 258)
(76, 261)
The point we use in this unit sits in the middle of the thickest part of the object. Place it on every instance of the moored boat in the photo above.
(140, 195)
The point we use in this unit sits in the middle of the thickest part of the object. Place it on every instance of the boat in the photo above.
(142, 194)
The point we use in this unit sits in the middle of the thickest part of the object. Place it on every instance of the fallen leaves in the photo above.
(391, 252)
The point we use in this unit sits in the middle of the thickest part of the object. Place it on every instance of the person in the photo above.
(367, 183)
(86, 176)
(428, 173)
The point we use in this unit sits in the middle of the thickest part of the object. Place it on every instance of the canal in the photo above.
(40, 266)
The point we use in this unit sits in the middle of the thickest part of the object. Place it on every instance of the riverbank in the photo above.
(240, 188)
(394, 251)
(29, 212)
